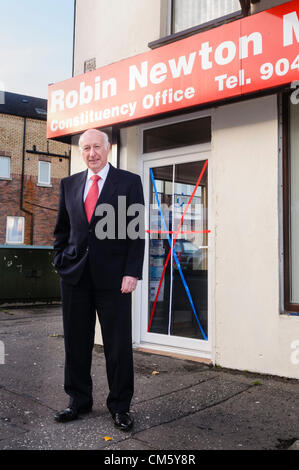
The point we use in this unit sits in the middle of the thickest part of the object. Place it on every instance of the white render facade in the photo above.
(248, 325)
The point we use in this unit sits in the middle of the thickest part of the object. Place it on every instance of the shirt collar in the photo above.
(102, 173)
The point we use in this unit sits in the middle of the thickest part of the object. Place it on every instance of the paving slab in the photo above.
(178, 404)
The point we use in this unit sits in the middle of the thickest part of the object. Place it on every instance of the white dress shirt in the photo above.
(103, 175)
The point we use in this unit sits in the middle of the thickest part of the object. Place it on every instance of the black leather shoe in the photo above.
(71, 413)
(123, 421)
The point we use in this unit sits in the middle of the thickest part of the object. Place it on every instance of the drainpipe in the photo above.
(74, 37)
(22, 184)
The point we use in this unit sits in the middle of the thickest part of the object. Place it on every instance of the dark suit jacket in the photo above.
(76, 242)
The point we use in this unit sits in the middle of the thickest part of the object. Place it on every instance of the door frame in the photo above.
(156, 341)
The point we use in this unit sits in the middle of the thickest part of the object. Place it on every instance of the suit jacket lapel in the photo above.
(79, 186)
(110, 186)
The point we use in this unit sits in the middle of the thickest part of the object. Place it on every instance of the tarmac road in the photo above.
(178, 404)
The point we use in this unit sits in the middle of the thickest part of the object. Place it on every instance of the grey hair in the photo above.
(105, 138)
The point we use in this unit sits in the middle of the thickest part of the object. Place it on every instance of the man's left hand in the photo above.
(129, 284)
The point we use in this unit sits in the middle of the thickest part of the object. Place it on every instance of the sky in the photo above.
(36, 44)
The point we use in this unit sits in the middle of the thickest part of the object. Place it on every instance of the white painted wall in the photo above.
(250, 332)
(113, 30)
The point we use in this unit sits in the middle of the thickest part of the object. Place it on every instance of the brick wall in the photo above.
(40, 202)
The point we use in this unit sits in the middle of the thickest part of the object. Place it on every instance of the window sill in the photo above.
(11, 244)
(237, 15)
(289, 314)
(4, 178)
(44, 185)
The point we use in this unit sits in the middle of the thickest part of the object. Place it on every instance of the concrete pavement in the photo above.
(178, 404)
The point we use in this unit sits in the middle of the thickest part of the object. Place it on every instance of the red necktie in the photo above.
(92, 197)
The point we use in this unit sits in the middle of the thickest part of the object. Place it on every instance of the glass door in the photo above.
(176, 288)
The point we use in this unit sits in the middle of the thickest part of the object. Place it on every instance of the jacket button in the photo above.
(87, 249)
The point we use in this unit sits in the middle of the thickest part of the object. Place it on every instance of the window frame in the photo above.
(207, 24)
(9, 170)
(288, 306)
(172, 37)
(43, 183)
(7, 242)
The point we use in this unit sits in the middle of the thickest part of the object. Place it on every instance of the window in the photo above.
(291, 209)
(189, 13)
(15, 230)
(192, 132)
(4, 167)
(294, 203)
(44, 172)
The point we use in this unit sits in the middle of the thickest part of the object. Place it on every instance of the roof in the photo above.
(23, 105)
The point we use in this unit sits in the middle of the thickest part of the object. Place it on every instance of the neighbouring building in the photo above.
(31, 167)
(200, 97)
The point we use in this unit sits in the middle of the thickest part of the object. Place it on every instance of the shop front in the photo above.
(203, 121)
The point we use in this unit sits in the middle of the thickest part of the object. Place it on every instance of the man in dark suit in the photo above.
(99, 271)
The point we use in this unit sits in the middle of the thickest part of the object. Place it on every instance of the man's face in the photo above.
(93, 149)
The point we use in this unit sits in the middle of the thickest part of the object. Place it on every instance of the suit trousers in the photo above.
(79, 305)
